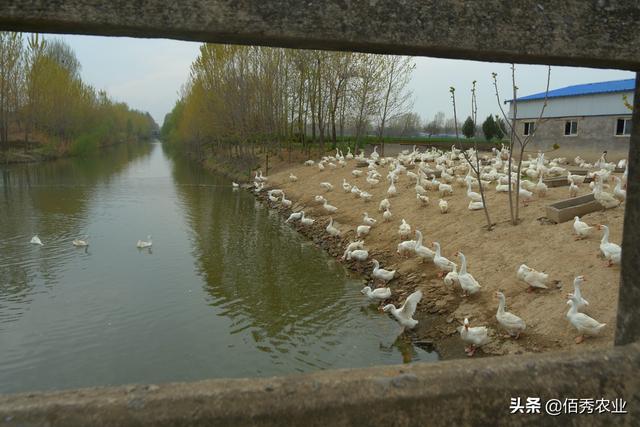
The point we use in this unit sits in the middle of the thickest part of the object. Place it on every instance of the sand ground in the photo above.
(493, 258)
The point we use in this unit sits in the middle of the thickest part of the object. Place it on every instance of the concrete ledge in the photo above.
(461, 392)
(570, 32)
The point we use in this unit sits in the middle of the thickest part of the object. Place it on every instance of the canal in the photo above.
(227, 289)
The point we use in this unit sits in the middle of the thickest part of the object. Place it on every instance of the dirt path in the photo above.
(493, 258)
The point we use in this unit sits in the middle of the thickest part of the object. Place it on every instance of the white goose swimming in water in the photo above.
(376, 294)
(35, 240)
(144, 243)
(80, 242)
(404, 314)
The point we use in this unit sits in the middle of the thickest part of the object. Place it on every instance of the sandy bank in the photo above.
(493, 258)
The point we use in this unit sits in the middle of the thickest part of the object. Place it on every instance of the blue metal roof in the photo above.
(585, 89)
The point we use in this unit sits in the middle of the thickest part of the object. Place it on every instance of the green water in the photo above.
(227, 290)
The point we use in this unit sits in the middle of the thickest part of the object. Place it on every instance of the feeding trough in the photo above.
(566, 210)
(558, 181)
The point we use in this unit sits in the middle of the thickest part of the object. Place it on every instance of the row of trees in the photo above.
(44, 100)
(240, 97)
(491, 128)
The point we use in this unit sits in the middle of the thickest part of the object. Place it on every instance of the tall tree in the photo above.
(468, 128)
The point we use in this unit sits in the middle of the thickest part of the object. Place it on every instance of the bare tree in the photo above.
(476, 169)
(396, 99)
(522, 143)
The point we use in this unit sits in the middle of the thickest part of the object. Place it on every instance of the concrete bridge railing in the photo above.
(600, 33)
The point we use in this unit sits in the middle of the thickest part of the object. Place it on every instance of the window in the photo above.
(528, 128)
(623, 127)
(570, 128)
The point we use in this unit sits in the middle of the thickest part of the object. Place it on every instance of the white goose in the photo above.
(576, 295)
(618, 192)
(611, 252)
(286, 202)
(535, 279)
(145, 243)
(363, 230)
(80, 242)
(444, 206)
(404, 314)
(583, 323)
(573, 189)
(475, 197)
(235, 185)
(35, 240)
(345, 185)
(384, 205)
(467, 282)
(404, 229)
(423, 199)
(331, 229)
(441, 262)
(381, 273)
(541, 188)
(358, 255)
(387, 215)
(368, 220)
(422, 251)
(392, 191)
(509, 321)
(376, 294)
(366, 196)
(295, 216)
(475, 337)
(327, 186)
(582, 229)
(452, 277)
(475, 206)
(329, 208)
(306, 221)
(292, 177)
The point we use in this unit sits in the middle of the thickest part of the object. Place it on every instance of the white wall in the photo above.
(572, 106)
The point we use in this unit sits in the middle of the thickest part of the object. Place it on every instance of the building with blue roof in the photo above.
(583, 119)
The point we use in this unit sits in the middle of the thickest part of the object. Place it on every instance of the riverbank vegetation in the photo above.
(243, 100)
(47, 110)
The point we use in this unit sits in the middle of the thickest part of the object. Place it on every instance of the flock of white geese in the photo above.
(84, 242)
(439, 171)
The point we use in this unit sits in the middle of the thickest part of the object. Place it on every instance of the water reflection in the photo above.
(227, 289)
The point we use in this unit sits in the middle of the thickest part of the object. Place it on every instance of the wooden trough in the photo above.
(565, 210)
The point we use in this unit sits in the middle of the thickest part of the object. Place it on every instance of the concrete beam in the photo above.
(628, 320)
(461, 392)
(570, 32)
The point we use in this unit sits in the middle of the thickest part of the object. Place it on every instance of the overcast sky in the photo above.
(147, 75)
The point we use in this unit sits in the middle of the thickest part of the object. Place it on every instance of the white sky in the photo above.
(148, 73)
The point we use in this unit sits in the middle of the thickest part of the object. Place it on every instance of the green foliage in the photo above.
(469, 128)
(489, 128)
(55, 103)
(500, 128)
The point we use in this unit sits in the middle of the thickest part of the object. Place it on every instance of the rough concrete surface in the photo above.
(447, 393)
(599, 33)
